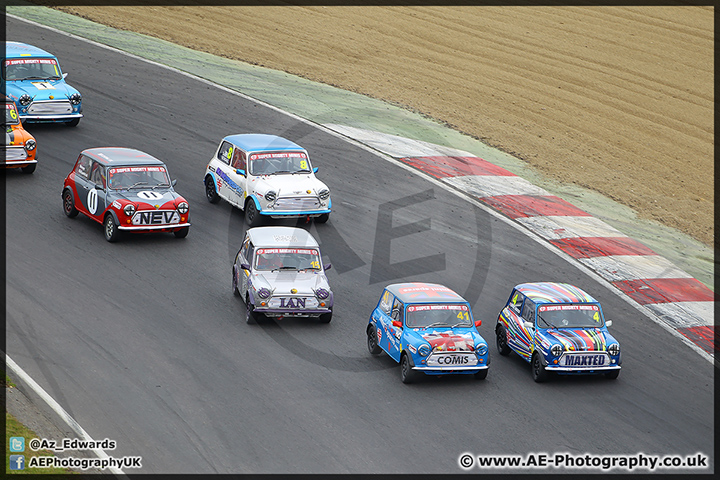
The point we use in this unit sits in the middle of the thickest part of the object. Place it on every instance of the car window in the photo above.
(516, 301)
(97, 174)
(83, 166)
(238, 160)
(528, 312)
(250, 252)
(225, 152)
(397, 312)
(386, 302)
(244, 248)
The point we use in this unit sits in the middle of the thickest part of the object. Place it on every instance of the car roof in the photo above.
(18, 50)
(551, 292)
(416, 292)
(259, 142)
(117, 156)
(280, 237)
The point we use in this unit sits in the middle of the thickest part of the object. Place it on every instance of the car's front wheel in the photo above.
(252, 217)
(69, 204)
(407, 374)
(110, 228)
(251, 316)
(481, 375)
(322, 218)
(210, 191)
(235, 289)
(539, 373)
(182, 233)
(29, 168)
(372, 341)
(501, 340)
(612, 374)
(73, 123)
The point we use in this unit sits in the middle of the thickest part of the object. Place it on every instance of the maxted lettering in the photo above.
(585, 360)
(155, 218)
(292, 302)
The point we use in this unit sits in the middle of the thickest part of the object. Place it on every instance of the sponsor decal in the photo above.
(421, 308)
(552, 308)
(29, 61)
(285, 238)
(379, 334)
(44, 86)
(306, 251)
(412, 349)
(116, 204)
(451, 360)
(158, 217)
(424, 289)
(292, 303)
(256, 156)
(585, 360)
(133, 169)
(92, 201)
(228, 181)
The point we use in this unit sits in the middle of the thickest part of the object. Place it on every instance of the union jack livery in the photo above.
(127, 191)
(427, 328)
(558, 328)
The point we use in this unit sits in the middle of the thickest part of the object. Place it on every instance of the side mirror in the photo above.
(174, 182)
(528, 325)
(64, 75)
(608, 323)
(478, 323)
(315, 169)
(328, 266)
(245, 266)
(240, 171)
(397, 323)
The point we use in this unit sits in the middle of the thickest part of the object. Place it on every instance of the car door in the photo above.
(516, 332)
(229, 182)
(383, 320)
(90, 200)
(246, 256)
(397, 314)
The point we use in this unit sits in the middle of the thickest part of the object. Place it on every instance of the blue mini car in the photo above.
(558, 328)
(427, 328)
(35, 83)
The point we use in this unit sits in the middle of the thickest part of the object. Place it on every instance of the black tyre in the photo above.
(539, 373)
(69, 204)
(236, 290)
(326, 317)
(73, 123)
(182, 233)
(210, 191)
(251, 316)
(407, 374)
(612, 374)
(481, 375)
(372, 341)
(501, 341)
(322, 218)
(252, 217)
(110, 228)
(29, 168)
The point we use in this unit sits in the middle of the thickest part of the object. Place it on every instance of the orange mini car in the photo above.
(20, 145)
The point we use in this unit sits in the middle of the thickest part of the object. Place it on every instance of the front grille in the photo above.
(297, 204)
(57, 107)
(15, 153)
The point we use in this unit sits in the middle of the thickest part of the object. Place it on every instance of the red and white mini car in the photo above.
(127, 191)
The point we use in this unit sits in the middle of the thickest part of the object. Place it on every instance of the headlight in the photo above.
(556, 350)
(322, 294)
(264, 293)
(25, 99)
(183, 208)
(324, 194)
(30, 145)
(129, 209)
(270, 196)
(481, 349)
(75, 98)
(614, 349)
(424, 350)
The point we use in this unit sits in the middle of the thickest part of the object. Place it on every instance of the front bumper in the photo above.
(154, 228)
(277, 313)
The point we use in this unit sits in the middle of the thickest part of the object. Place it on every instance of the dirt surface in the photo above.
(618, 99)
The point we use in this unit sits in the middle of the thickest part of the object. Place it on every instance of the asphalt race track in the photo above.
(143, 342)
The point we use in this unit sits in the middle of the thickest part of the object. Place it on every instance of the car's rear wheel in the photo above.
(252, 217)
(481, 375)
(182, 233)
(407, 374)
(110, 228)
(210, 191)
(73, 123)
(69, 204)
(322, 218)
(501, 340)
(538, 369)
(612, 374)
(372, 341)
(29, 168)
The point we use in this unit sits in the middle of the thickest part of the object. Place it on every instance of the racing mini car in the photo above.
(127, 191)
(558, 328)
(427, 328)
(279, 273)
(20, 145)
(34, 81)
(266, 176)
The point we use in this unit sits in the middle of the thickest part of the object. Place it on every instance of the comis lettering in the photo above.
(454, 360)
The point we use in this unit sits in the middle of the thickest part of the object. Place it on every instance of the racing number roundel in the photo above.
(150, 195)
(92, 201)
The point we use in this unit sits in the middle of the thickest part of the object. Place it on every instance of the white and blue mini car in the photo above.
(266, 176)
(34, 82)
(427, 328)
